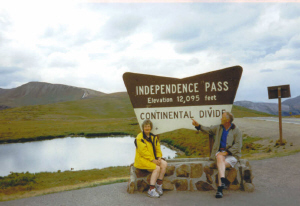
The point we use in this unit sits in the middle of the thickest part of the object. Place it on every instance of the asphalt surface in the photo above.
(276, 119)
(276, 180)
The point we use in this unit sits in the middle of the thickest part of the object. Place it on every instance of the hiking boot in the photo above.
(224, 183)
(219, 194)
(159, 189)
(152, 193)
(224, 186)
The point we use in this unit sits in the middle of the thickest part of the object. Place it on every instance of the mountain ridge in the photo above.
(289, 107)
(35, 93)
(40, 93)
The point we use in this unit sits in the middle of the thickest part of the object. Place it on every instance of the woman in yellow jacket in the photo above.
(148, 156)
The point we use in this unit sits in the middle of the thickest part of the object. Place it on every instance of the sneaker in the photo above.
(159, 189)
(219, 195)
(152, 193)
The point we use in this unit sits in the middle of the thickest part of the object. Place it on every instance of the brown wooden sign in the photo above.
(278, 92)
(273, 91)
(170, 103)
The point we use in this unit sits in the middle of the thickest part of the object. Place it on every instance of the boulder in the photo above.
(141, 173)
(167, 185)
(183, 171)
(130, 187)
(181, 184)
(232, 174)
(170, 170)
(142, 186)
(203, 186)
(196, 170)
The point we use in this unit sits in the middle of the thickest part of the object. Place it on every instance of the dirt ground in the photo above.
(269, 131)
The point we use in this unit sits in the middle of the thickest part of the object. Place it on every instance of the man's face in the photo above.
(224, 119)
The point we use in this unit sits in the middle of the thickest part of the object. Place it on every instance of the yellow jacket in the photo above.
(144, 153)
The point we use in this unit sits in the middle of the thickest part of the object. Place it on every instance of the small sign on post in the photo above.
(278, 92)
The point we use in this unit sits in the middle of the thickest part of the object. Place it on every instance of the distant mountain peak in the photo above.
(35, 93)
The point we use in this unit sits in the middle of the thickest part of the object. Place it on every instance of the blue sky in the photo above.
(91, 45)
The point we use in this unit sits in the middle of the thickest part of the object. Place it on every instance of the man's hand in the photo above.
(223, 153)
(195, 123)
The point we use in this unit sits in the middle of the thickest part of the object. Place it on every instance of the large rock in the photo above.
(248, 176)
(208, 170)
(170, 170)
(181, 184)
(203, 186)
(196, 170)
(232, 174)
(141, 173)
(234, 187)
(209, 179)
(130, 187)
(167, 185)
(213, 165)
(148, 178)
(183, 171)
(142, 186)
(208, 173)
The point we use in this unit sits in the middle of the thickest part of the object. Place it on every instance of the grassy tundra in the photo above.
(101, 116)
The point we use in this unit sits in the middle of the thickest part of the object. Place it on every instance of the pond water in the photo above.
(63, 154)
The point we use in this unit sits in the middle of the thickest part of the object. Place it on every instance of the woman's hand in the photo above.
(157, 162)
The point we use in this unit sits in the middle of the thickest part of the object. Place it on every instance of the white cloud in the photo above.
(92, 45)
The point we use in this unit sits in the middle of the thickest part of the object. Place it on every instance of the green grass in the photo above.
(192, 143)
(109, 115)
(249, 145)
(240, 112)
(20, 184)
(89, 117)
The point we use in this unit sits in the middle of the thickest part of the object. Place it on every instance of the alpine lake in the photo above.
(70, 153)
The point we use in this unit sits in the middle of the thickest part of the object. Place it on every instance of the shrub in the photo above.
(17, 179)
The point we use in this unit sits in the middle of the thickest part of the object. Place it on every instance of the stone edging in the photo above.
(192, 174)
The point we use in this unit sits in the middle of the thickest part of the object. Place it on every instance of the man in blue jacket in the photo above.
(227, 146)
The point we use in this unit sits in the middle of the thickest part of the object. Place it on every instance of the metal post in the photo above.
(279, 114)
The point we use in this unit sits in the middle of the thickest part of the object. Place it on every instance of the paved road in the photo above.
(276, 180)
(276, 119)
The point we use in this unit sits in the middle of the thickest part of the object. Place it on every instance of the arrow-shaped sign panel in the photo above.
(170, 103)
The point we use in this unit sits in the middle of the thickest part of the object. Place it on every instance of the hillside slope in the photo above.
(288, 107)
(294, 104)
(38, 93)
(104, 114)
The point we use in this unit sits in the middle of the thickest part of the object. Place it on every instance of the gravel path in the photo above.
(269, 131)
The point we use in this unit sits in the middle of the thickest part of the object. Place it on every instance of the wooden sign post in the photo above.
(282, 91)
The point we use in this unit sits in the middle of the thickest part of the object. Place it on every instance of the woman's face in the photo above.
(147, 128)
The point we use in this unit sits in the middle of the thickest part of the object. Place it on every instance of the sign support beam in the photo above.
(278, 92)
(279, 115)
